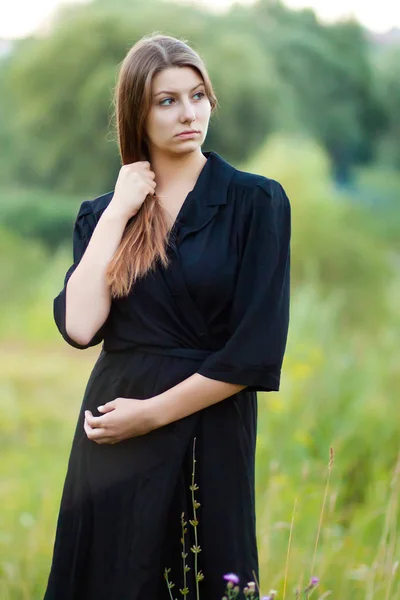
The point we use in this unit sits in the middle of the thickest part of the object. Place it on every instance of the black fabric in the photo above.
(220, 309)
(227, 287)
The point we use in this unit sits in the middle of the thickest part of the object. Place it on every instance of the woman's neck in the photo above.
(175, 175)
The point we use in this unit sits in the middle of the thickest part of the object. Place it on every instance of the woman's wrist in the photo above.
(116, 213)
(155, 413)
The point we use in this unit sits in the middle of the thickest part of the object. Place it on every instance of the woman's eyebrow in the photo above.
(172, 92)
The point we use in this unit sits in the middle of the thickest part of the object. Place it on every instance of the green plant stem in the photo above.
(195, 519)
(184, 530)
(288, 550)
(330, 465)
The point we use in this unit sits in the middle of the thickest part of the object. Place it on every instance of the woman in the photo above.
(183, 272)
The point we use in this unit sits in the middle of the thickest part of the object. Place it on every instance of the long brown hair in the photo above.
(145, 238)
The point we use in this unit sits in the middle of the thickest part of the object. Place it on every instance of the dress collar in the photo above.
(212, 184)
(203, 202)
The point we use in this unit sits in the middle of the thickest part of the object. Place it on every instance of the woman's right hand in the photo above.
(135, 182)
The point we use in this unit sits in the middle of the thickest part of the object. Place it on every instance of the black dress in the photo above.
(221, 309)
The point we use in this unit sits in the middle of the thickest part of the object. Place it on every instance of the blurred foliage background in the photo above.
(312, 105)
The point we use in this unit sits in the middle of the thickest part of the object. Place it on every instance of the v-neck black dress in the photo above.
(220, 309)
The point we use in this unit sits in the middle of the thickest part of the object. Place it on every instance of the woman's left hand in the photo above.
(123, 418)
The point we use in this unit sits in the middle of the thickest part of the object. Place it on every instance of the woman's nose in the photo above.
(188, 113)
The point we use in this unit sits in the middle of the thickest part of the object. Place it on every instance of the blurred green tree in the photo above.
(329, 79)
(61, 89)
(388, 77)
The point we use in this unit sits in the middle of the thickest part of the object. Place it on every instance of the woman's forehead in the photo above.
(177, 79)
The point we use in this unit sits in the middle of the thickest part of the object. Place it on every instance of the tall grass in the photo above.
(334, 393)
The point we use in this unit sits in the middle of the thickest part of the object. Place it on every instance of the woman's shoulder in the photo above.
(259, 203)
(256, 190)
(96, 206)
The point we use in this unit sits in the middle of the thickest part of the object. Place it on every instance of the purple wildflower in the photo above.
(232, 578)
(313, 583)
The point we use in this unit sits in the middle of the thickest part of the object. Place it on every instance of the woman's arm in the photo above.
(124, 418)
(88, 298)
(190, 395)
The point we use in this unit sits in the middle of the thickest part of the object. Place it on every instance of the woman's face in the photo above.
(179, 103)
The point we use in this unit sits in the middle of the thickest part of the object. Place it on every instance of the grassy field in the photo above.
(337, 392)
(41, 389)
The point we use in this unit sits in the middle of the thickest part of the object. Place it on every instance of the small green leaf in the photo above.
(184, 592)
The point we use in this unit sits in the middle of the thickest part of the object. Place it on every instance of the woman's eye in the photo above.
(201, 94)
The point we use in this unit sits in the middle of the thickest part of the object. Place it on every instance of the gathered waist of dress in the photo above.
(179, 352)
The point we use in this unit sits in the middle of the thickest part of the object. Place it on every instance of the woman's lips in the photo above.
(191, 134)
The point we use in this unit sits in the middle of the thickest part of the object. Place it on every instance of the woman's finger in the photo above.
(94, 421)
(105, 440)
(94, 433)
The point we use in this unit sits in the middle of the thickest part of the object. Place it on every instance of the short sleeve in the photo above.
(259, 317)
(83, 229)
